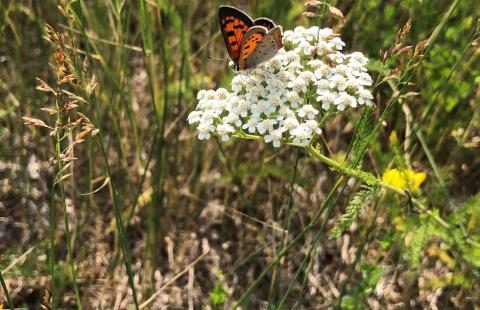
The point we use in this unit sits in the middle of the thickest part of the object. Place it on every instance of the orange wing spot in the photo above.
(250, 44)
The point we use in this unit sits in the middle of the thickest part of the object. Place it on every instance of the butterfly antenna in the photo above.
(218, 59)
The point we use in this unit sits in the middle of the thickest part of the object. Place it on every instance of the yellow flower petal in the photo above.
(406, 179)
(419, 178)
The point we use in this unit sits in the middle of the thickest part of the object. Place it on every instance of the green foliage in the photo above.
(422, 235)
(466, 230)
(363, 129)
(460, 232)
(218, 295)
(355, 206)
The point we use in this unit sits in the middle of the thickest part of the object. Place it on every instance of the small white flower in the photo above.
(224, 130)
(294, 67)
(276, 64)
(194, 117)
(285, 112)
(242, 107)
(364, 97)
(294, 98)
(313, 125)
(323, 34)
(298, 85)
(210, 94)
(262, 107)
(327, 99)
(222, 93)
(323, 86)
(251, 124)
(336, 43)
(316, 64)
(238, 84)
(274, 84)
(301, 135)
(201, 94)
(307, 111)
(358, 58)
(337, 57)
(208, 116)
(291, 56)
(307, 76)
(233, 118)
(365, 79)
(274, 100)
(338, 81)
(345, 100)
(204, 131)
(353, 84)
(290, 123)
(266, 125)
(275, 136)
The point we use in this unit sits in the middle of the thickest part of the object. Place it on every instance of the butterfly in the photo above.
(249, 42)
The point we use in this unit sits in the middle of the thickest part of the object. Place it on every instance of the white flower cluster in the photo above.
(280, 100)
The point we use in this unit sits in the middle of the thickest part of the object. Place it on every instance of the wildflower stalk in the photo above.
(5, 291)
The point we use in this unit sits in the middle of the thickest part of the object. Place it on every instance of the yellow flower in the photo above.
(406, 179)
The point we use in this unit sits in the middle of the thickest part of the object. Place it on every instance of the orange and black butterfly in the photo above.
(249, 42)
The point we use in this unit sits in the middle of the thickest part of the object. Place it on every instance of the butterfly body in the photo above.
(249, 42)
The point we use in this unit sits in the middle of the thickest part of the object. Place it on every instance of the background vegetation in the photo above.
(110, 201)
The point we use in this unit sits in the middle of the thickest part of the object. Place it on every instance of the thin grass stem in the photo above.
(65, 217)
(53, 258)
(5, 292)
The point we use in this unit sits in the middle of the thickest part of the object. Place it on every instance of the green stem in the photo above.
(53, 226)
(358, 174)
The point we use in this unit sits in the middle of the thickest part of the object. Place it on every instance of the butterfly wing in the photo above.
(265, 22)
(252, 39)
(234, 24)
(259, 45)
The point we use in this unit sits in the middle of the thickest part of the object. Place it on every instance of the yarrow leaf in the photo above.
(353, 211)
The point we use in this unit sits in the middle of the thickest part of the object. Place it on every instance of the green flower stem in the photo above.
(243, 135)
(358, 174)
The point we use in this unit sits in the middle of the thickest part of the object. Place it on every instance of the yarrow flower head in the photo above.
(281, 100)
